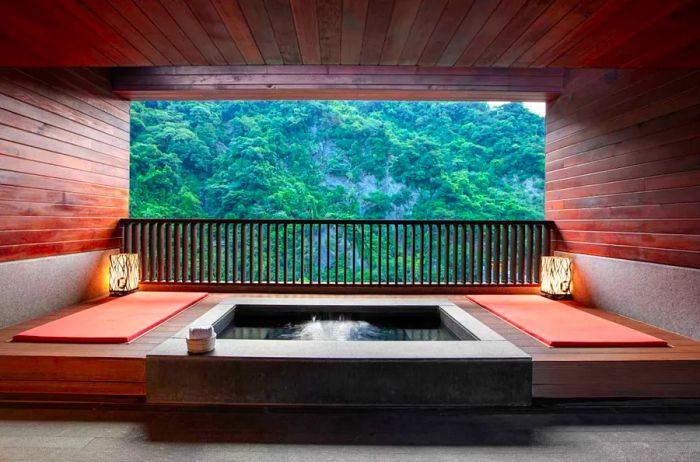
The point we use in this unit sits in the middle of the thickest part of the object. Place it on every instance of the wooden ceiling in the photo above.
(470, 33)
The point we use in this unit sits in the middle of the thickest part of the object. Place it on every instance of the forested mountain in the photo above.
(336, 159)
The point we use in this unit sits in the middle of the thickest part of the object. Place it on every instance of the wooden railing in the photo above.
(338, 252)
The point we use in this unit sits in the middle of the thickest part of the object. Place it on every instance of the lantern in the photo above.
(123, 273)
(556, 277)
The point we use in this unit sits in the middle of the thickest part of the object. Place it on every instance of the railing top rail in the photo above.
(328, 221)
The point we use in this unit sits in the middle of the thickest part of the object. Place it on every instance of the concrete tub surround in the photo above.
(661, 295)
(35, 287)
(489, 371)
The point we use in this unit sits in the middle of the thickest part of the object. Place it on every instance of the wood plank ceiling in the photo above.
(469, 33)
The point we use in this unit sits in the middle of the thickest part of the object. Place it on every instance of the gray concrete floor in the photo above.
(549, 433)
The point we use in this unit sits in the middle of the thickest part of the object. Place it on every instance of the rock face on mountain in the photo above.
(336, 159)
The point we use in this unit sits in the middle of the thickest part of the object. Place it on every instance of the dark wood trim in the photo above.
(336, 82)
(343, 289)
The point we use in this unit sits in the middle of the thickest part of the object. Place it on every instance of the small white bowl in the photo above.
(199, 346)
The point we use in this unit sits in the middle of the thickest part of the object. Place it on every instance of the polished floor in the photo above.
(598, 432)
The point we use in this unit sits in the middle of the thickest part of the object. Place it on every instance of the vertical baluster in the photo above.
(277, 253)
(284, 252)
(301, 256)
(362, 253)
(422, 254)
(487, 257)
(267, 251)
(512, 254)
(184, 275)
(156, 251)
(478, 254)
(242, 253)
(496, 253)
(168, 251)
(200, 252)
(345, 253)
(294, 251)
(472, 249)
(528, 253)
(335, 255)
(521, 254)
(152, 246)
(413, 253)
(143, 250)
(227, 252)
(430, 253)
(371, 254)
(546, 239)
(318, 255)
(126, 237)
(439, 251)
(454, 253)
(328, 253)
(463, 252)
(536, 253)
(354, 258)
(259, 252)
(388, 252)
(379, 254)
(404, 279)
(193, 251)
(133, 239)
(448, 260)
(311, 253)
(234, 252)
(396, 253)
(504, 253)
(147, 241)
(211, 256)
(251, 252)
(178, 253)
(217, 243)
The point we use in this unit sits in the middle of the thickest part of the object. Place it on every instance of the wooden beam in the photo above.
(336, 82)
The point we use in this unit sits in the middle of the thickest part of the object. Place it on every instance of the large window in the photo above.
(336, 159)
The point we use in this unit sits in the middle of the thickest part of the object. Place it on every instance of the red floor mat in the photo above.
(560, 325)
(119, 320)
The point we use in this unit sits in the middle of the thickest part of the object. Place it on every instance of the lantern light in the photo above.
(123, 273)
(556, 277)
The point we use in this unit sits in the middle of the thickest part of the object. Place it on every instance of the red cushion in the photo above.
(117, 321)
(558, 324)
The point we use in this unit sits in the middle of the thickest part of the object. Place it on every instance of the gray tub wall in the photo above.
(35, 287)
(662, 295)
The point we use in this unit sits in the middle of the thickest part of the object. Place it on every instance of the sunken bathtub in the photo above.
(347, 352)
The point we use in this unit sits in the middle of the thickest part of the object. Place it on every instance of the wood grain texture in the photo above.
(513, 33)
(67, 372)
(64, 163)
(623, 165)
(336, 82)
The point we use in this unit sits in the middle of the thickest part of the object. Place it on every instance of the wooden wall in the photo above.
(623, 165)
(64, 162)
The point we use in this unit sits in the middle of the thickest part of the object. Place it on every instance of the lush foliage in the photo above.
(336, 159)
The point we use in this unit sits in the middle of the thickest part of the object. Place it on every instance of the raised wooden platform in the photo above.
(67, 372)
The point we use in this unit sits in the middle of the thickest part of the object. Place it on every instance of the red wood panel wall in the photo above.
(623, 165)
(64, 162)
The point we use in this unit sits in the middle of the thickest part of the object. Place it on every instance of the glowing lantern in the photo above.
(123, 273)
(556, 278)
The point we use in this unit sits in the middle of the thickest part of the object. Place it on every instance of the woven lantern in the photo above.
(123, 273)
(556, 277)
